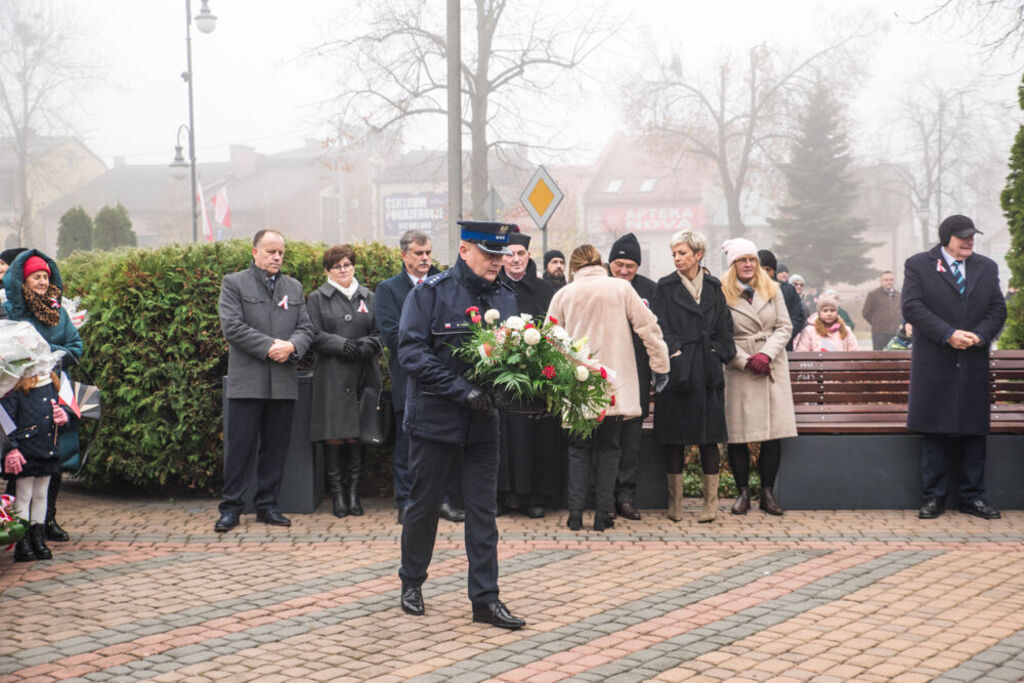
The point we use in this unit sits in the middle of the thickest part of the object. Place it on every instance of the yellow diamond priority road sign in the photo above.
(541, 197)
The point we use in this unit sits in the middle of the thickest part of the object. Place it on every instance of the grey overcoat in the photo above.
(251, 318)
(338, 380)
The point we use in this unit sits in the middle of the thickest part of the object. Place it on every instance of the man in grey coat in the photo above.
(264, 320)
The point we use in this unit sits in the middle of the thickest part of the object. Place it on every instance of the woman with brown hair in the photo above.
(607, 311)
(758, 399)
(346, 343)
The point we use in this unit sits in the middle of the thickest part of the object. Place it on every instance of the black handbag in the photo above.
(375, 416)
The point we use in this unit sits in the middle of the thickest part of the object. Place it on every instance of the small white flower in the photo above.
(526, 316)
(582, 373)
(558, 332)
(514, 322)
(531, 336)
(491, 316)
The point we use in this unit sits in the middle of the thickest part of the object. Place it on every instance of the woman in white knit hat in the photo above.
(758, 399)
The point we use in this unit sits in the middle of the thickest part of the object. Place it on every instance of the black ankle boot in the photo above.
(355, 468)
(575, 522)
(37, 536)
(23, 551)
(335, 483)
(602, 521)
(53, 530)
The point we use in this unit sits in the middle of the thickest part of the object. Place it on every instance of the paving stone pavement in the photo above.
(146, 590)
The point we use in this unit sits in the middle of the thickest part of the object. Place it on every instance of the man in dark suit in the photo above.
(264, 320)
(789, 295)
(952, 298)
(390, 294)
(452, 424)
(624, 262)
(533, 453)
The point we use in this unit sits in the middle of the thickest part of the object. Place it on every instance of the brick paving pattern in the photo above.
(147, 590)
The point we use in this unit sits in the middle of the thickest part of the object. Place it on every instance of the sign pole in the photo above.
(454, 127)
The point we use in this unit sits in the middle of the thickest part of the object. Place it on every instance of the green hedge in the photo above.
(153, 344)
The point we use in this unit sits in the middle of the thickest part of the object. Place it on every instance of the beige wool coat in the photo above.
(608, 310)
(759, 408)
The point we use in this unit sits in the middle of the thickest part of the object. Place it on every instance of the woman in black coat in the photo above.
(697, 327)
(347, 344)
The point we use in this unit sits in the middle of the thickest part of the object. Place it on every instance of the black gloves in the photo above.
(351, 349)
(478, 399)
(660, 381)
(367, 349)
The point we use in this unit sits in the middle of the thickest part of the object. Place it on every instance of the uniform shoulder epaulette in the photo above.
(437, 277)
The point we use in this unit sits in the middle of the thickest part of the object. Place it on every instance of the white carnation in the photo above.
(582, 373)
(514, 322)
(491, 316)
(531, 336)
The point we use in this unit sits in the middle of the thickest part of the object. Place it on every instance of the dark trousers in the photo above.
(768, 461)
(595, 458)
(880, 339)
(629, 459)
(252, 421)
(403, 478)
(433, 465)
(970, 471)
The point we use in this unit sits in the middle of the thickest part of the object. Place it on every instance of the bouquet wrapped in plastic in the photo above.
(23, 353)
(78, 315)
(534, 361)
(12, 529)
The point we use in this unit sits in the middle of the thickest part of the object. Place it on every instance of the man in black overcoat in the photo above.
(533, 453)
(797, 316)
(624, 262)
(952, 298)
(416, 249)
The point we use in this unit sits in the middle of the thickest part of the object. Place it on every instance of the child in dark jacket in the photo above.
(33, 457)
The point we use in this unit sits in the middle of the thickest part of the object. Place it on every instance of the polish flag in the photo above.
(207, 228)
(221, 209)
(67, 395)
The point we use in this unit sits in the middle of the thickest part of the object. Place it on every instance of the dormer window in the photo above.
(614, 186)
(648, 185)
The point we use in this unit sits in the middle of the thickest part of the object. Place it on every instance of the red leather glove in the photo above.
(759, 364)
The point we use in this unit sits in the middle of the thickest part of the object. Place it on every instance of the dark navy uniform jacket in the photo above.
(434, 321)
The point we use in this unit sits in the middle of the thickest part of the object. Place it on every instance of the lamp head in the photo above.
(206, 20)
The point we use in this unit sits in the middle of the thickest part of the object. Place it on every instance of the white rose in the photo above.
(531, 336)
(582, 373)
(491, 316)
(514, 322)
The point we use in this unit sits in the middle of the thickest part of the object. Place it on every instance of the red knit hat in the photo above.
(32, 264)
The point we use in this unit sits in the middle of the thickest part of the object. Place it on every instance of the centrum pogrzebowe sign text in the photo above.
(423, 211)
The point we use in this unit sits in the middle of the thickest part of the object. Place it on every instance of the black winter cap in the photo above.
(961, 226)
(626, 247)
(8, 255)
(767, 259)
(554, 253)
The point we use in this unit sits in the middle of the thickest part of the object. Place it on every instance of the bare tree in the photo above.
(735, 116)
(395, 72)
(40, 78)
(997, 25)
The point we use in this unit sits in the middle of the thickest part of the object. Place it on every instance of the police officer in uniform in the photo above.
(452, 424)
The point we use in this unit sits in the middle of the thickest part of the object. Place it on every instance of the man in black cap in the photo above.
(452, 425)
(789, 295)
(624, 262)
(554, 268)
(951, 296)
(532, 451)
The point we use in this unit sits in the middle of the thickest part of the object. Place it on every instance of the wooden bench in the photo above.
(865, 392)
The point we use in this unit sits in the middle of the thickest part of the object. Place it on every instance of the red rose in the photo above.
(604, 374)
(529, 326)
(613, 400)
(549, 371)
(600, 418)
(553, 319)
(475, 318)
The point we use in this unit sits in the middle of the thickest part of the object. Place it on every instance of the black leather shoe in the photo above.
(980, 508)
(534, 511)
(273, 517)
(627, 510)
(931, 509)
(496, 614)
(54, 532)
(226, 522)
(412, 600)
(452, 513)
(575, 522)
(602, 521)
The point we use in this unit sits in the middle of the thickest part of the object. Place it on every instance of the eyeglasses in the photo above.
(338, 267)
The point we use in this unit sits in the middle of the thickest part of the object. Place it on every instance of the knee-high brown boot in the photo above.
(710, 509)
(675, 497)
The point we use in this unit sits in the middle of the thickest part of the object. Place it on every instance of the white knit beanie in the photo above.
(737, 247)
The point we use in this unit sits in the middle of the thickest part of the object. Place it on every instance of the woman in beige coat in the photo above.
(758, 399)
(607, 311)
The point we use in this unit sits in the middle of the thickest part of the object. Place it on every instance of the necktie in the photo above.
(958, 275)
(420, 281)
(270, 283)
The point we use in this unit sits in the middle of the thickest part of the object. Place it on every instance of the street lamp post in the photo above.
(206, 21)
